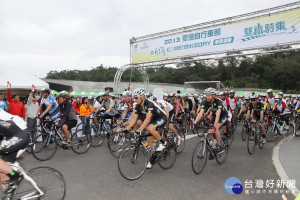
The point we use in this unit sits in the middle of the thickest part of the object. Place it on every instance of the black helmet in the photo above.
(45, 90)
(64, 95)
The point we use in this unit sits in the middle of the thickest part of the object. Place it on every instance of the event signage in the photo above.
(265, 31)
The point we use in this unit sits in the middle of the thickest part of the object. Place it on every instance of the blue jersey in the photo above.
(51, 100)
(3, 105)
(239, 103)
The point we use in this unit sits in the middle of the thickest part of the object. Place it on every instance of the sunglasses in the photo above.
(136, 97)
(253, 99)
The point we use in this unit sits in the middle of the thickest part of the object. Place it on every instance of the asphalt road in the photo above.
(95, 175)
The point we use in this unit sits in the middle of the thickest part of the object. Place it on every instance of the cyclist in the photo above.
(176, 104)
(67, 119)
(168, 108)
(97, 104)
(256, 111)
(155, 118)
(14, 129)
(244, 108)
(109, 106)
(127, 104)
(219, 115)
(231, 101)
(86, 110)
(263, 99)
(49, 105)
(270, 103)
(283, 110)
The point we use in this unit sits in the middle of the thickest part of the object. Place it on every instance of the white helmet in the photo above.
(138, 92)
(210, 91)
(247, 97)
(126, 93)
(253, 96)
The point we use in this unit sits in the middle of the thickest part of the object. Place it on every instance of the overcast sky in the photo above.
(40, 36)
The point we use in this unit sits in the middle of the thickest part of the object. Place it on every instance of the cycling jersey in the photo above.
(175, 103)
(164, 104)
(14, 129)
(231, 102)
(150, 107)
(51, 100)
(215, 106)
(270, 102)
(282, 108)
(257, 108)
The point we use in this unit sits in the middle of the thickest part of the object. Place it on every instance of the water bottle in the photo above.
(214, 144)
(210, 143)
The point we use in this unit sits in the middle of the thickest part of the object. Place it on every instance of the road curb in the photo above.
(280, 170)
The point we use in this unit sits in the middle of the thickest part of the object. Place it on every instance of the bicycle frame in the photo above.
(16, 166)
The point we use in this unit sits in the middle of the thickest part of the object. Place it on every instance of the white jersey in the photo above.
(164, 104)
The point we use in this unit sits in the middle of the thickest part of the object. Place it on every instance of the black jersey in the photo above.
(215, 106)
(257, 108)
(10, 125)
(150, 107)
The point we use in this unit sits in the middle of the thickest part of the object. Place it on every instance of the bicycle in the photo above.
(199, 158)
(254, 139)
(246, 128)
(134, 158)
(45, 144)
(97, 138)
(37, 183)
(276, 130)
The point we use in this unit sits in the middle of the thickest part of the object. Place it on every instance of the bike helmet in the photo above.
(91, 97)
(247, 97)
(138, 92)
(263, 95)
(232, 92)
(221, 93)
(280, 93)
(64, 95)
(172, 95)
(253, 97)
(126, 93)
(269, 91)
(210, 91)
(46, 90)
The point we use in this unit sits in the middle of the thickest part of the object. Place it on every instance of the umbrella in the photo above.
(75, 94)
(241, 94)
(85, 93)
(95, 94)
(64, 91)
(181, 94)
(53, 92)
(256, 93)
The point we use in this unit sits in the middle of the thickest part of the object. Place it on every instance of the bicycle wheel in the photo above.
(49, 180)
(199, 157)
(81, 142)
(116, 144)
(167, 157)
(132, 162)
(221, 156)
(260, 144)
(181, 145)
(230, 136)
(234, 125)
(244, 132)
(96, 139)
(271, 135)
(44, 147)
(290, 132)
(251, 142)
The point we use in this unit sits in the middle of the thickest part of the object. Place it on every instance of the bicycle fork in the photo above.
(16, 167)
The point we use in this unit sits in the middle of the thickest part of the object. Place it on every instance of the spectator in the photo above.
(3, 104)
(16, 107)
(32, 106)
(76, 105)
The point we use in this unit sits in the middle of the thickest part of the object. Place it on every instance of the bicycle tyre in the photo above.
(270, 134)
(48, 179)
(131, 158)
(96, 140)
(292, 131)
(251, 143)
(244, 132)
(219, 160)
(167, 157)
(43, 147)
(81, 143)
(181, 146)
(198, 156)
(116, 144)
